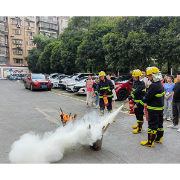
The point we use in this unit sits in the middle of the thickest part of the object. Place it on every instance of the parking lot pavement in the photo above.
(23, 110)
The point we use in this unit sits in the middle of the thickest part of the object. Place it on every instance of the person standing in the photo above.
(155, 106)
(144, 78)
(113, 91)
(93, 89)
(104, 87)
(176, 104)
(137, 94)
(165, 80)
(168, 90)
(89, 84)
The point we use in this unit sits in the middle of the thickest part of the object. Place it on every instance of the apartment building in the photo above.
(4, 49)
(16, 36)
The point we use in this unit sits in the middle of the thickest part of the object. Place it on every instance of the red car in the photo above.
(37, 81)
(123, 86)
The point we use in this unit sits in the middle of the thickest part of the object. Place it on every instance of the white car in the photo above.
(80, 87)
(74, 77)
(71, 83)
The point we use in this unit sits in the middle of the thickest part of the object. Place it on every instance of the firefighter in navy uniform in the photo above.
(155, 106)
(104, 87)
(137, 94)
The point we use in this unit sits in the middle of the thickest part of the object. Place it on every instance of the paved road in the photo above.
(22, 111)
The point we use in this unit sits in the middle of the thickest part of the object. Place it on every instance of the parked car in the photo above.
(74, 77)
(71, 84)
(123, 86)
(23, 78)
(55, 81)
(80, 86)
(19, 76)
(13, 77)
(37, 81)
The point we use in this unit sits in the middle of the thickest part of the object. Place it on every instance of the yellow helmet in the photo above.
(136, 73)
(152, 70)
(102, 73)
(175, 81)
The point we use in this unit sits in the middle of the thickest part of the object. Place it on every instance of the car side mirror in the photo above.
(130, 82)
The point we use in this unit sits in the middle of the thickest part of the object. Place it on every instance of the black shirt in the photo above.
(94, 86)
(176, 97)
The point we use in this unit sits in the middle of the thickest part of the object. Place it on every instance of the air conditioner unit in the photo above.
(12, 35)
(17, 16)
(29, 28)
(31, 37)
(18, 25)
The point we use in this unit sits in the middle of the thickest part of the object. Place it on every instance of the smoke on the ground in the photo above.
(50, 147)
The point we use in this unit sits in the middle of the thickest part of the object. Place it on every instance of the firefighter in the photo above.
(155, 105)
(137, 94)
(104, 87)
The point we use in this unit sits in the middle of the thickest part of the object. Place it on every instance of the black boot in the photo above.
(151, 138)
(160, 132)
(139, 127)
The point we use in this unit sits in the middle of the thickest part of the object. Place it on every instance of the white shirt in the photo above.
(145, 79)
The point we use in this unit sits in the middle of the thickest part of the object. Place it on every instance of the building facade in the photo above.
(16, 35)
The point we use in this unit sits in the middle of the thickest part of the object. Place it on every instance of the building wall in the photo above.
(16, 35)
(20, 41)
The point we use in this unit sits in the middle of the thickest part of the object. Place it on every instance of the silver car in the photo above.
(80, 87)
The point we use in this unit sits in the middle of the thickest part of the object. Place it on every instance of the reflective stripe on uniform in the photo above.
(160, 95)
(142, 103)
(160, 129)
(96, 92)
(107, 96)
(137, 101)
(155, 108)
(105, 88)
(133, 89)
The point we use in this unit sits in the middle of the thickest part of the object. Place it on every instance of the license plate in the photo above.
(67, 88)
(75, 89)
(59, 85)
(44, 86)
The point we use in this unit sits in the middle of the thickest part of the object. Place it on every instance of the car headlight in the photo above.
(35, 82)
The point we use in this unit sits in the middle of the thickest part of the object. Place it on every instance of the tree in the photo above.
(90, 52)
(44, 58)
(32, 60)
(55, 59)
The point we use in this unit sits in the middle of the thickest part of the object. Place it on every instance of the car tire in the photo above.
(31, 87)
(122, 94)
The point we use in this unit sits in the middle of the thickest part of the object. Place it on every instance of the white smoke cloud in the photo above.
(50, 147)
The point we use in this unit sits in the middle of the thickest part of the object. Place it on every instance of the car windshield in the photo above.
(82, 78)
(38, 76)
(122, 79)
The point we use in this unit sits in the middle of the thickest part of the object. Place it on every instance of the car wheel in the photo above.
(122, 94)
(31, 87)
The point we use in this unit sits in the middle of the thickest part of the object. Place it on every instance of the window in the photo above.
(18, 61)
(17, 41)
(2, 50)
(16, 21)
(17, 51)
(1, 27)
(29, 43)
(16, 31)
(1, 59)
(2, 40)
(29, 33)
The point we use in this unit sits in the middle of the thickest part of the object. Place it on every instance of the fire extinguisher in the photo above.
(106, 103)
(131, 107)
(146, 112)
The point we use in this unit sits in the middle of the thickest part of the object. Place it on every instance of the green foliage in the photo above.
(95, 43)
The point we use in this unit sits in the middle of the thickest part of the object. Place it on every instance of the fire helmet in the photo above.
(156, 74)
(136, 73)
(102, 73)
